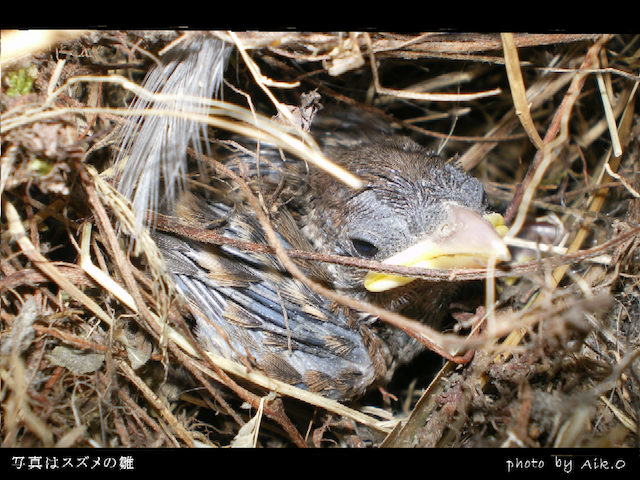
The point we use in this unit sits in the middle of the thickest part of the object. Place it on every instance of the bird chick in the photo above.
(414, 209)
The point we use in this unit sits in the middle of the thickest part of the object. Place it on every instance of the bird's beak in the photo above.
(465, 240)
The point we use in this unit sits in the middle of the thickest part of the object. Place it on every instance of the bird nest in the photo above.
(96, 349)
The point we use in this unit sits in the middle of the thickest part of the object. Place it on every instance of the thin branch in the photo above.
(434, 97)
(518, 90)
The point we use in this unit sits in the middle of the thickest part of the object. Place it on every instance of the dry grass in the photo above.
(89, 327)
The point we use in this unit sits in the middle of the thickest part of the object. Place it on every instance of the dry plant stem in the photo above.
(597, 200)
(55, 76)
(562, 115)
(606, 94)
(471, 45)
(554, 127)
(142, 418)
(155, 402)
(19, 234)
(121, 428)
(427, 45)
(404, 434)
(435, 97)
(32, 277)
(70, 339)
(16, 408)
(620, 415)
(245, 124)
(536, 94)
(553, 141)
(295, 392)
(611, 122)
(262, 81)
(109, 235)
(98, 275)
(518, 90)
(626, 184)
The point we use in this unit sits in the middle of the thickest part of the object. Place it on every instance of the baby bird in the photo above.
(414, 209)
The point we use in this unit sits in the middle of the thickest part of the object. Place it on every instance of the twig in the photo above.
(243, 121)
(19, 234)
(434, 97)
(155, 402)
(295, 392)
(173, 225)
(518, 90)
(536, 94)
(535, 170)
(626, 184)
(110, 238)
(538, 168)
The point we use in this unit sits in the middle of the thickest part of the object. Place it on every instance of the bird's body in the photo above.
(412, 210)
(253, 312)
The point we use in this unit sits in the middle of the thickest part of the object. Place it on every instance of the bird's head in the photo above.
(414, 210)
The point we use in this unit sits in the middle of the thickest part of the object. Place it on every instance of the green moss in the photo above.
(21, 81)
(42, 167)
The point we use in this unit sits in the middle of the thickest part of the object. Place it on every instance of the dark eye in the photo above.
(363, 248)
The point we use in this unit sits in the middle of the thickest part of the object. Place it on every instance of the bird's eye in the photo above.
(364, 248)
